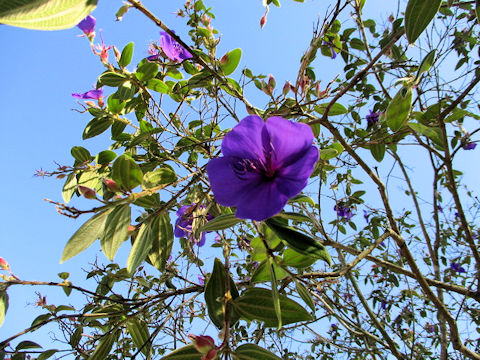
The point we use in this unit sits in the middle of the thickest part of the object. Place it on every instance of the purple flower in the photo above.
(343, 211)
(372, 118)
(263, 165)
(183, 225)
(154, 53)
(469, 145)
(95, 94)
(332, 49)
(456, 267)
(366, 215)
(87, 25)
(201, 280)
(172, 48)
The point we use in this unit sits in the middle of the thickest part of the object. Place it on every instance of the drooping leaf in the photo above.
(141, 247)
(432, 132)
(427, 63)
(104, 347)
(215, 290)
(257, 304)
(3, 305)
(85, 235)
(184, 353)
(275, 294)
(126, 172)
(230, 61)
(305, 295)
(418, 15)
(138, 330)
(220, 222)
(116, 230)
(298, 241)
(45, 14)
(399, 108)
(253, 352)
(163, 243)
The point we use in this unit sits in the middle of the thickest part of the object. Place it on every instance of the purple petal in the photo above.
(87, 25)
(289, 140)
(245, 139)
(261, 202)
(92, 94)
(227, 187)
(172, 48)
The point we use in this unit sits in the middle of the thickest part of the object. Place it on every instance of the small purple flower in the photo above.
(183, 225)
(154, 53)
(87, 25)
(366, 215)
(372, 118)
(343, 211)
(469, 145)
(456, 267)
(172, 48)
(332, 49)
(201, 280)
(263, 165)
(95, 94)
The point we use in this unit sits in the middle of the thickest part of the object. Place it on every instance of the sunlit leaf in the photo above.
(253, 352)
(116, 230)
(230, 61)
(418, 15)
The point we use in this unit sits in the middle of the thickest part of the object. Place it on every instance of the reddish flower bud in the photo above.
(111, 185)
(4, 264)
(131, 228)
(271, 81)
(87, 192)
(263, 20)
(212, 354)
(286, 88)
(116, 52)
(204, 344)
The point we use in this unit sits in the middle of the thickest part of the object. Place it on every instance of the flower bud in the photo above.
(271, 82)
(263, 20)
(204, 344)
(111, 185)
(116, 52)
(286, 88)
(87, 192)
(4, 264)
(212, 354)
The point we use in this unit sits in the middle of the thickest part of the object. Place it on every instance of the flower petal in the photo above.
(245, 139)
(288, 139)
(261, 202)
(87, 25)
(227, 187)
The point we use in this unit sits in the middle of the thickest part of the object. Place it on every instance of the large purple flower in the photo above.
(95, 94)
(183, 225)
(263, 165)
(172, 48)
(87, 25)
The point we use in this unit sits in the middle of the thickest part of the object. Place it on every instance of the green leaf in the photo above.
(298, 241)
(297, 260)
(253, 352)
(126, 56)
(110, 78)
(126, 91)
(126, 172)
(3, 305)
(27, 344)
(305, 295)
(85, 235)
(149, 201)
(158, 86)
(418, 15)
(399, 108)
(257, 304)
(378, 151)
(115, 106)
(81, 154)
(184, 353)
(432, 132)
(105, 157)
(262, 273)
(96, 126)
(221, 222)
(163, 243)
(275, 295)
(216, 295)
(294, 216)
(104, 347)
(230, 61)
(70, 187)
(116, 230)
(336, 109)
(477, 10)
(427, 63)
(141, 247)
(47, 354)
(138, 330)
(45, 14)
(158, 177)
(147, 71)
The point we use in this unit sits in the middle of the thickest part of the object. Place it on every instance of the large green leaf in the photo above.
(138, 330)
(85, 236)
(257, 304)
(104, 347)
(45, 14)
(262, 273)
(162, 241)
(215, 290)
(116, 230)
(253, 352)
(220, 222)
(418, 15)
(158, 177)
(141, 247)
(230, 61)
(184, 353)
(3, 305)
(399, 108)
(126, 172)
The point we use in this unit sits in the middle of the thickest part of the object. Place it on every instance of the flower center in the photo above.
(242, 167)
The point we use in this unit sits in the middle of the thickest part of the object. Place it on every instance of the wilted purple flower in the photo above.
(332, 49)
(87, 25)
(263, 165)
(172, 48)
(456, 267)
(183, 225)
(343, 211)
(154, 53)
(469, 145)
(372, 118)
(95, 94)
